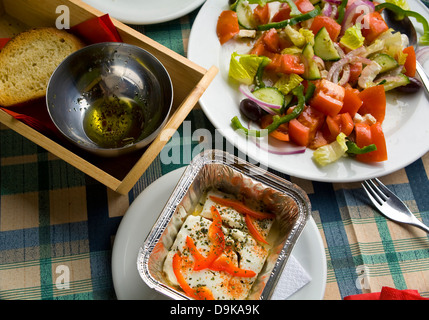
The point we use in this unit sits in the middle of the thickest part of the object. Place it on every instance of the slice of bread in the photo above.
(28, 61)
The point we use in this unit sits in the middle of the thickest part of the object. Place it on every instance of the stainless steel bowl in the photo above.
(110, 98)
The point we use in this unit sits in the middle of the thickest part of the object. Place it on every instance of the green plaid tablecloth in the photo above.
(52, 215)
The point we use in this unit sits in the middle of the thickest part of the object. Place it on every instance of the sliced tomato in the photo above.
(326, 104)
(341, 123)
(270, 44)
(271, 40)
(367, 135)
(284, 63)
(319, 140)
(262, 14)
(312, 118)
(304, 6)
(227, 26)
(299, 133)
(283, 13)
(328, 97)
(355, 72)
(351, 101)
(258, 47)
(410, 61)
(290, 63)
(304, 129)
(373, 102)
(373, 25)
(332, 26)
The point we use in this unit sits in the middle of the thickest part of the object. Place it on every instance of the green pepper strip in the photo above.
(352, 148)
(311, 87)
(341, 11)
(277, 120)
(292, 21)
(294, 11)
(401, 13)
(260, 72)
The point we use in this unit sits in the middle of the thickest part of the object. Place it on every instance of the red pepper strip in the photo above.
(242, 208)
(201, 293)
(252, 229)
(224, 263)
(217, 239)
(198, 257)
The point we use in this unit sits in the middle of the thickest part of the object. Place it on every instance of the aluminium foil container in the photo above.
(221, 171)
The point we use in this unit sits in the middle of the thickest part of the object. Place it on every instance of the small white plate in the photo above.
(145, 11)
(143, 213)
(405, 126)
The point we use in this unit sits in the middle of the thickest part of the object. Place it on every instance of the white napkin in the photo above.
(293, 278)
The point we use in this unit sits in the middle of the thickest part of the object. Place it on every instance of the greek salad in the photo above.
(316, 72)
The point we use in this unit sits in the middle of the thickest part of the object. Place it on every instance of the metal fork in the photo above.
(390, 205)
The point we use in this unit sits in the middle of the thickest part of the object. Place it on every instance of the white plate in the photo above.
(145, 11)
(143, 213)
(405, 126)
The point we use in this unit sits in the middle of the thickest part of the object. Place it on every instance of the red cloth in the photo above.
(35, 115)
(3, 42)
(100, 29)
(388, 293)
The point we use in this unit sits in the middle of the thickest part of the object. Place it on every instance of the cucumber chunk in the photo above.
(312, 71)
(394, 82)
(270, 95)
(386, 62)
(245, 14)
(324, 47)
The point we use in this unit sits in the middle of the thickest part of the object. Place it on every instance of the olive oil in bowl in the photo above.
(112, 122)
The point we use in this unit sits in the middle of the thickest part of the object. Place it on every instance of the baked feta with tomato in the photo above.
(215, 256)
(228, 208)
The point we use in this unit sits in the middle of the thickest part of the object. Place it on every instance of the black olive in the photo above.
(250, 109)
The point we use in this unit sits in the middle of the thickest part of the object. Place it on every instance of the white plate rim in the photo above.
(134, 227)
(129, 13)
(407, 137)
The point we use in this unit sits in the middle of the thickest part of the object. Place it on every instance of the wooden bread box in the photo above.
(189, 83)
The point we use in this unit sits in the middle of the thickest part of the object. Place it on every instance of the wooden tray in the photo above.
(189, 83)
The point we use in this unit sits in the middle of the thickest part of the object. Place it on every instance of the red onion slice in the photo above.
(327, 9)
(268, 107)
(422, 54)
(319, 61)
(346, 75)
(353, 56)
(363, 6)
